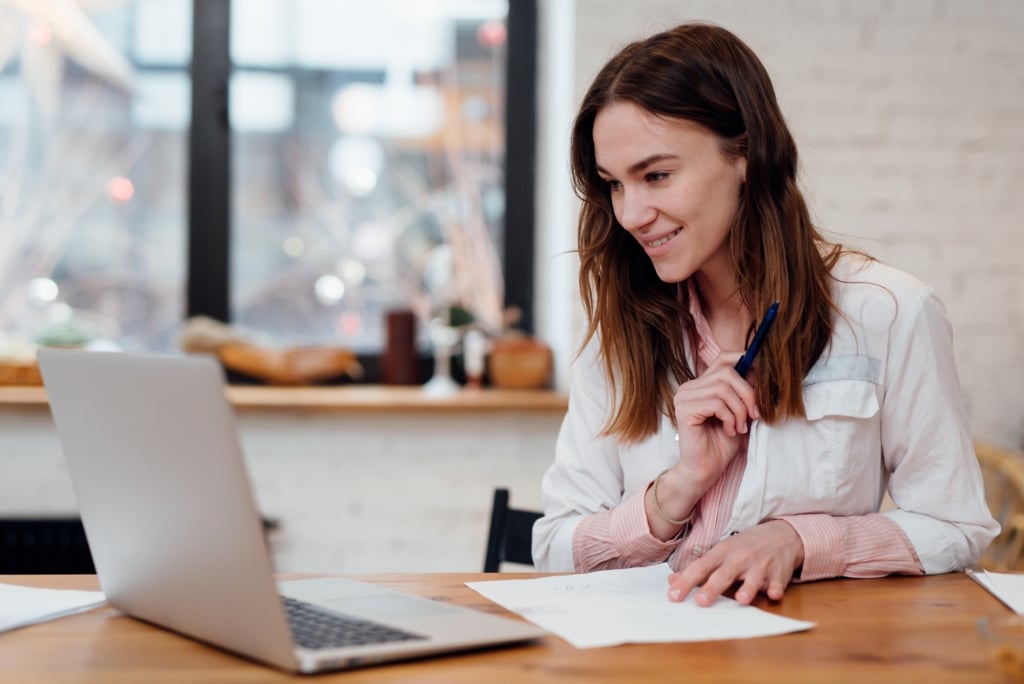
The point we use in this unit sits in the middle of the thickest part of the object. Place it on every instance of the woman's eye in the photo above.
(656, 176)
(613, 185)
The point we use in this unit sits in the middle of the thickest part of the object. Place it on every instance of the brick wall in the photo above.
(909, 118)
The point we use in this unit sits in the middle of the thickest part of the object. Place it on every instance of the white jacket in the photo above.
(884, 411)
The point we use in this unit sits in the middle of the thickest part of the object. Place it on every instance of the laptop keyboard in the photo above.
(314, 627)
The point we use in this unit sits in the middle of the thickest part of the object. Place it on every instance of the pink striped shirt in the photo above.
(852, 546)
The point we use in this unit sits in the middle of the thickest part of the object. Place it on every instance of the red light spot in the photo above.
(42, 34)
(120, 189)
(349, 324)
(492, 33)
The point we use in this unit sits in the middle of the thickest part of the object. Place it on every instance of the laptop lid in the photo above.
(152, 449)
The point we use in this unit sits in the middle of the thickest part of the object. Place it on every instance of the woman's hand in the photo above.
(763, 558)
(712, 414)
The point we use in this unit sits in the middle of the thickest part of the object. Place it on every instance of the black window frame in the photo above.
(209, 163)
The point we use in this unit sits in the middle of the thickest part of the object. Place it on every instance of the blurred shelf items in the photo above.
(368, 164)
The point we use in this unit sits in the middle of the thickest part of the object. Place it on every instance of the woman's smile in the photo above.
(662, 240)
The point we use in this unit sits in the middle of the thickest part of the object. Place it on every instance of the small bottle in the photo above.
(399, 365)
(474, 348)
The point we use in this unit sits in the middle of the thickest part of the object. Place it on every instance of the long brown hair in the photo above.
(704, 74)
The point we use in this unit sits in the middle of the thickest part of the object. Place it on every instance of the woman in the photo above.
(691, 226)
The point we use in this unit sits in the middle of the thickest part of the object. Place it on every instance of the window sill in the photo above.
(355, 398)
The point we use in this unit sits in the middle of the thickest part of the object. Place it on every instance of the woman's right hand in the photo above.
(712, 415)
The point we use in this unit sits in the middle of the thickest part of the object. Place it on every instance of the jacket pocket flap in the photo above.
(849, 398)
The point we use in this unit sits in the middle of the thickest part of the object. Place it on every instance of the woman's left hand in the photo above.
(763, 558)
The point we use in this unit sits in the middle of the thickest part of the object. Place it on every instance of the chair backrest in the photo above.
(52, 546)
(1003, 473)
(510, 537)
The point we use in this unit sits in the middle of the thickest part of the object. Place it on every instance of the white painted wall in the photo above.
(354, 493)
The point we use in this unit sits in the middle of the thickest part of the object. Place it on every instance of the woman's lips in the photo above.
(662, 240)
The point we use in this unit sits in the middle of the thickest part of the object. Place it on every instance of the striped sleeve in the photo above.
(856, 546)
(618, 538)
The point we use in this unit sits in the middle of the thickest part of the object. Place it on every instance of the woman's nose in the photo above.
(635, 211)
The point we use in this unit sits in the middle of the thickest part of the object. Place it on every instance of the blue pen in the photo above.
(747, 360)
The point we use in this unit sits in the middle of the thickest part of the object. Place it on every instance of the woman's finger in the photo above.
(717, 584)
(753, 582)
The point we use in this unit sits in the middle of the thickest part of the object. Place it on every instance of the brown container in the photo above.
(519, 363)
(400, 363)
(20, 373)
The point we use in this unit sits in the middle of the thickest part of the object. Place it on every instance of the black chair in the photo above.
(44, 546)
(511, 534)
(53, 546)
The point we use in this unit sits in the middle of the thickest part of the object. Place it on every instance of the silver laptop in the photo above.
(177, 540)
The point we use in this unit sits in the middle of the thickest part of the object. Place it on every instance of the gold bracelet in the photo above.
(657, 506)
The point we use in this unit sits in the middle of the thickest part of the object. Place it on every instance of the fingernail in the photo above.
(673, 594)
(703, 599)
(742, 596)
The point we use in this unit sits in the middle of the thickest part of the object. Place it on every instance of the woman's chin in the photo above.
(671, 273)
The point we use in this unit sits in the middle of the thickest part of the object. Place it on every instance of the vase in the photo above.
(519, 362)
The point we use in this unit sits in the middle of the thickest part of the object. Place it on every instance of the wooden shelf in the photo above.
(354, 398)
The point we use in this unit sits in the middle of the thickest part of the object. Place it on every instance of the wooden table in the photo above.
(901, 629)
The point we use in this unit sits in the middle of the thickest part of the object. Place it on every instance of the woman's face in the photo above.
(671, 187)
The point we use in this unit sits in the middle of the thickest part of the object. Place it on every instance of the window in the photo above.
(93, 123)
(364, 169)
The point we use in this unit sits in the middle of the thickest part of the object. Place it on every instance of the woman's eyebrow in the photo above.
(643, 163)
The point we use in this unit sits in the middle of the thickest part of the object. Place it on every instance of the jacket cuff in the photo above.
(631, 532)
(822, 537)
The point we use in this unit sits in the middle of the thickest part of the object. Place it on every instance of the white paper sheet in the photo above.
(1008, 587)
(21, 606)
(614, 607)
